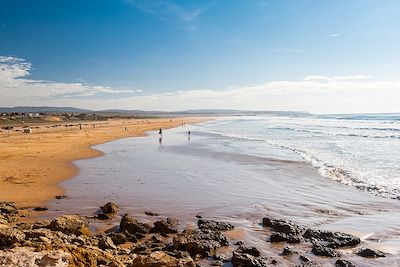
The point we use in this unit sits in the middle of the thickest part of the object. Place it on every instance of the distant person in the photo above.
(160, 132)
(188, 135)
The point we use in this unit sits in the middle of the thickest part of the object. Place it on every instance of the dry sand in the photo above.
(32, 165)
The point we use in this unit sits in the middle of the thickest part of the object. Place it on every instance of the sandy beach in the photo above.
(32, 165)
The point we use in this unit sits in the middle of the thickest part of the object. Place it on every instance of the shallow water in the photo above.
(231, 179)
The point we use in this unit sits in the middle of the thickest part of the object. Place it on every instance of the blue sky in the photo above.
(175, 55)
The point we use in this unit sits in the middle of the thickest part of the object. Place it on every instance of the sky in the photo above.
(331, 56)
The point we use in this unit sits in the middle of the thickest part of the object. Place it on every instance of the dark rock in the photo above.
(248, 257)
(9, 236)
(214, 225)
(370, 253)
(311, 264)
(304, 258)
(102, 216)
(70, 224)
(331, 239)
(282, 237)
(321, 250)
(61, 197)
(283, 226)
(105, 242)
(288, 250)
(109, 208)
(239, 243)
(133, 226)
(8, 208)
(343, 263)
(167, 227)
(151, 213)
(118, 238)
(199, 242)
(40, 208)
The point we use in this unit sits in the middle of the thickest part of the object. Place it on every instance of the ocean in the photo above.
(358, 150)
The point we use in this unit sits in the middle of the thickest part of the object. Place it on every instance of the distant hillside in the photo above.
(26, 109)
(142, 113)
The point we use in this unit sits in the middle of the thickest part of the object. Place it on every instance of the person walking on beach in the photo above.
(188, 135)
(160, 136)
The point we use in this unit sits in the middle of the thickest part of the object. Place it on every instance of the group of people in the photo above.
(160, 135)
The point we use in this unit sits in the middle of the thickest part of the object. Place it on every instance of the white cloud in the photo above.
(314, 93)
(334, 35)
(14, 84)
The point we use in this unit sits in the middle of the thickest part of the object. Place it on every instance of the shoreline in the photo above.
(33, 165)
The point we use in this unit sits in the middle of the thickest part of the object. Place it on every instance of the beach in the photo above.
(33, 165)
(232, 193)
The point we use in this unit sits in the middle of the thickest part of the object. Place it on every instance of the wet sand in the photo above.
(33, 165)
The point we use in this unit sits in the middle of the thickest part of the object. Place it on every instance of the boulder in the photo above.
(283, 226)
(22, 257)
(8, 207)
(343, 263)
(331, 239)
(214, 225)
(9, 236)
(109, 208)
(248, 257)
(282, 237)
(288, 250)
(321, 250)
(199, 242)
(70, 224)
(133, 226)
(166, 227)
(162, 259)
(370, 253)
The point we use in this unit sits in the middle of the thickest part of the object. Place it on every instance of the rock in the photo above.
(8, 208)
(283, 226)
(40, 208)
(61, 197)
(105, 242)
(22, 257)
(9, 236)
(151, 213)
(199, 242)
(312, 264)
(109, 208)
(70, 224)
(282, 237)
(214, 225)
(168, 227)
(331, 239)
(370, 253)
(248, 257)
(288, 250)
(36, 233)
(343, 263)
(161, 259)
(321, 250)
(102, 216)
(239, 243)
(133, 226)
(118, 238)
(304, 258)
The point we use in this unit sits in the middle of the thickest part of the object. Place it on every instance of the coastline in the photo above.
(33, 165)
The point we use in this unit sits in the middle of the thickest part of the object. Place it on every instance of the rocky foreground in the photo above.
(68, 241)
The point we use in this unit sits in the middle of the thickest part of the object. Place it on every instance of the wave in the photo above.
(325, 169)
(336, 134)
